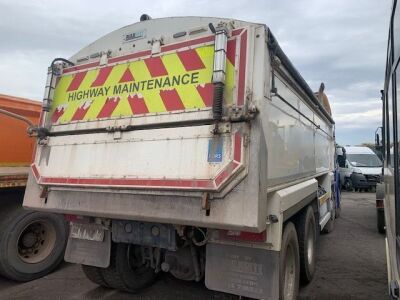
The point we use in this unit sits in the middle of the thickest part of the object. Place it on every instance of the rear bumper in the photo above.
(169, 208)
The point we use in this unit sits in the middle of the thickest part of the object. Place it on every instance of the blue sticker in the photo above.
(215, 150)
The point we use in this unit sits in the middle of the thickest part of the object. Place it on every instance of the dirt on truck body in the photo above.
(191, 146)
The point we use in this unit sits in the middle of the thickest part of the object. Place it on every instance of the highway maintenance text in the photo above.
(135, 86)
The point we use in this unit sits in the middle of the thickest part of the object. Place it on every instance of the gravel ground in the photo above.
(351, 265)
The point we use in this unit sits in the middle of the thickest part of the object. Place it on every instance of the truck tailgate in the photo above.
(189, 157)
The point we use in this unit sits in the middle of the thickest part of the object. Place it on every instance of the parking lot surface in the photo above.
(351, 265)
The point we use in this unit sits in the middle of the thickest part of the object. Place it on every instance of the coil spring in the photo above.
(218, 100)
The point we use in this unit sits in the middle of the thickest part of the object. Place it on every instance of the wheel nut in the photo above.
(128, 227)
(155, 231)
(165, 266)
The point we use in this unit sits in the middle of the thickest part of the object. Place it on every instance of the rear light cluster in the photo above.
(76, 219)
(379, 203)
(243, 236)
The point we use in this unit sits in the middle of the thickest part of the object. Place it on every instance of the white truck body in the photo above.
(116, 151)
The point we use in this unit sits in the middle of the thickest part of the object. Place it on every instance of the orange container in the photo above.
(16, 146)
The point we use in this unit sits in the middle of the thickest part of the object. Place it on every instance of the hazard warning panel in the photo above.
(173, 81)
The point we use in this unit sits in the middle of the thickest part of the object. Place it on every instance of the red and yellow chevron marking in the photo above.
(176, 81)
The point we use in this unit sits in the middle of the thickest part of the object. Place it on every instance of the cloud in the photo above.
(364, 119)
(342, 43)
(22, 76)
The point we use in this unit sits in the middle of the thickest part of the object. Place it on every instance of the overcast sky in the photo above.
(339, 42)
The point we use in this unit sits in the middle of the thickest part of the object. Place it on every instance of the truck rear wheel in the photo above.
(330, 225)
(348, 185)
(289, 264)
(31, 243)
(307, 236)
(380, 220)
(338, 212)
(127, 271)
(380, 210)
(94, 274)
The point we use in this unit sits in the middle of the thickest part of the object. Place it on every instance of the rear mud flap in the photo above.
(243, 271)
(91, 253)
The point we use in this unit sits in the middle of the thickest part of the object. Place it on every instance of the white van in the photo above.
(362, 168)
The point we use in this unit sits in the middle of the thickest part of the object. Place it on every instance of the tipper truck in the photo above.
(31, 243)
(187, 145)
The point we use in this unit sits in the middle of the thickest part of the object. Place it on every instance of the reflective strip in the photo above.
(171, 100)
(57, 113)
(178, 80)
(231, 51)
(206, 92)
(76, 81)
(102, 76)
(108, 108)
(156, 66)
(325, 197)
(138, 105)
(190, 60)
(127, 76)
(245, 236)
(81, 111)
(242, 68)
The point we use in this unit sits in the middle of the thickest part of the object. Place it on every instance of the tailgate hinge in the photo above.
(117, 131)
(237, 113)
(220, 128)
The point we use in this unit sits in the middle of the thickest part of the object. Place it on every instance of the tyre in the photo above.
(307, 237)
(94, 274)
(380, 221)
(380, 213)
(331, 223)
(32, 243)
(348, 185)
(338, 209)
(109, 275)
(127, 271)
(289, 264)
(380, 191)
(338, 212)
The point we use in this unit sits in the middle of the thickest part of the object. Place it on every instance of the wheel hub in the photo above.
(29, 239)
(36, 241)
